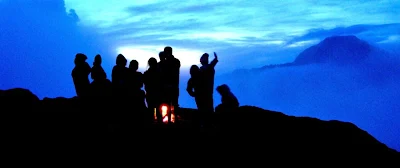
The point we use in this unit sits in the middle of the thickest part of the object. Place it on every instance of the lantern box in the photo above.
(167, 111)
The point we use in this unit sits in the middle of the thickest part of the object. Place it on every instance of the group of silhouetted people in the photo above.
(160, 80)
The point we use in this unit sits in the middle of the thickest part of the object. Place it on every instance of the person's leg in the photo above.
(204, 109)
(155, 104)
(210, 110)
(197, 116)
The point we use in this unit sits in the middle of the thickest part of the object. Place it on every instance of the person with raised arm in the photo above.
(206, 88)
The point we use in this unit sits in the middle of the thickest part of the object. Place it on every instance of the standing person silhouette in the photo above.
(152, 80)
(136, 95)
(101, 92)
(162, 67)
(135, 84)
(173, 66)
(193, 83)
(192, 88)
(80, 75)
(135, 78)
(119, 76)
(206, 89)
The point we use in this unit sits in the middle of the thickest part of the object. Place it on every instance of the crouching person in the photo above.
(229, 103)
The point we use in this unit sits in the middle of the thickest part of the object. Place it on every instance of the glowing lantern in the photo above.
(166, 113)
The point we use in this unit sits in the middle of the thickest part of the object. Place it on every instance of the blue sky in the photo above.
(252, 32)
(245, 34)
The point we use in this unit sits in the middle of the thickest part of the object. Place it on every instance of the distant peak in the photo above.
(346, 39)
(349, 37)
(336, 49)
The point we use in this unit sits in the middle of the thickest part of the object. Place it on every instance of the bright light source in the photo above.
(142, 54)
(155, 113)
(164, 110)
(164, 113)
(165, 120)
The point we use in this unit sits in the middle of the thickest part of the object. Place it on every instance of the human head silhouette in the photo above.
(161, 55)
(152, 62)
(121, 60)
(194, 69)
(204, 59)
(168, 52)
(223, 89)
(97, 60)
(80, 59)
(134, 65)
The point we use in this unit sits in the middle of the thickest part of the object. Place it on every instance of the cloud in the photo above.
(374, 33)
(302, 43)
(39, 45)
(221, 25)
(391, 39)
(365, 94)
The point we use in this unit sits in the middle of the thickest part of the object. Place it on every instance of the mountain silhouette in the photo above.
(336, 49)
(359, 86)
(243, 134)
(339, 50)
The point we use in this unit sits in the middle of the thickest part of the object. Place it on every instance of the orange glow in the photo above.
(164, 110)
(164, 113)
(165, 120)
(155, 113)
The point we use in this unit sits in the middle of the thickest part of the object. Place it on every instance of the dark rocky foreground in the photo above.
(63, 125)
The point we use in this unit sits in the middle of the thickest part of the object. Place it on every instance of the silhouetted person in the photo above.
(206, 89)
(193, 89)
(135, 93)
(119, 77)
(135, 83)
(229, 104)
(172, 73)
(162, 67)
(101, 92)
(228, 99)
(135, 78)
(152, 86)
(98, 73)
(101, 86)
(194, 82)
(80, 75)
(161, 64)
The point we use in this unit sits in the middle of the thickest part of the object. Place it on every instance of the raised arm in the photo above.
(214, 61)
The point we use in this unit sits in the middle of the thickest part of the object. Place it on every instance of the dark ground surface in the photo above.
(62, 128)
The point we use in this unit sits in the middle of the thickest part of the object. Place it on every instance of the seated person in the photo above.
(229, 101)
